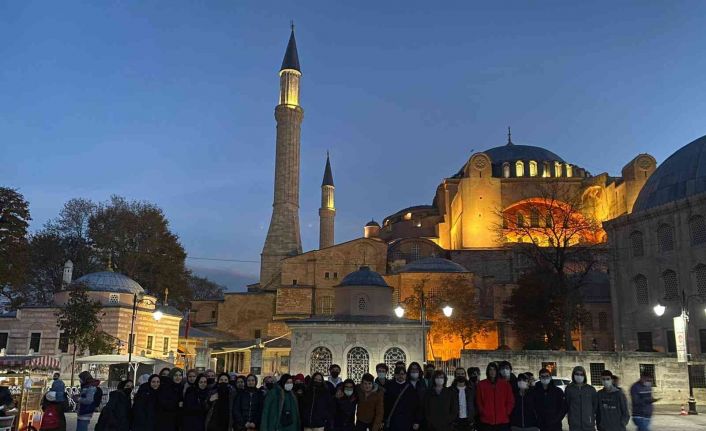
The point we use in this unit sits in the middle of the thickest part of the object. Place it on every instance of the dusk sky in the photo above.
(172, 102)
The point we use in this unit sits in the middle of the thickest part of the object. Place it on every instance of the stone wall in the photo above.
(294, 300)
(671, 382)
(242, 314)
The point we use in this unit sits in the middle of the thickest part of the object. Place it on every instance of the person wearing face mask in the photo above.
(59, 387)
(144, 408)
(494, 400)
(463, 395)
(371, 408)
(196, 405)
(414, 378)
(116, 414)
(210, 378)
(334, 380)
(439, 407)
(219, 416)
(280, 411)
(317, 405)
(429, 375)
(581, 402)
(612, 414)
(381, 371)
(474, 375)
(549, 402)
(642, 402)
(268, 383)
(402, 407)
(345, 403)
(248, 406)
(524, 416)
(505, 369)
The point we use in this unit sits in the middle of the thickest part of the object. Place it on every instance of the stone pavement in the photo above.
(666, 419)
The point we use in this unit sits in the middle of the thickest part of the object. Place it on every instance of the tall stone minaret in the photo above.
(327, 212)
(283, 236)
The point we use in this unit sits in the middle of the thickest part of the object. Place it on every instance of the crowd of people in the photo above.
(415, 398)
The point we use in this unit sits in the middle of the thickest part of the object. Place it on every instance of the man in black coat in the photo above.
(317, 406)
(403, 410)
(549, 402)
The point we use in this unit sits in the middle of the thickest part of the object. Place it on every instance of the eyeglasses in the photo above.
(579, 374)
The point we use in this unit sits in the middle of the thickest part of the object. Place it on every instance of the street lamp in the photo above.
(683, 333)
(157, 315)
(399, 312)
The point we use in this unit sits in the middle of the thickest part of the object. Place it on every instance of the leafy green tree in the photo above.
(203, 288)
(14, 250)
(80, 319)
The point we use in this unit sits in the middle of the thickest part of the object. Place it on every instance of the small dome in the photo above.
(364, 277)
(433, 264)
(372, 223)
(107, 281)
(682, 175)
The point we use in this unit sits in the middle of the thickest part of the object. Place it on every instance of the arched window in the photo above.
(602, 321)
(321, 359)
(519, 168)
(392, 356)
(546, 172)
(362, 303)
(506, 170)
(549, 219)
(324, 305)
(642, 296)
(358, 363)
(569, 170)
(700, 278)
(557, 169)
(637, 244)
(665, 237)
(697, 230)
(534, 217)
(520, 219)
(671, 285)
(415, 252)
(588, 321)
(532, 168)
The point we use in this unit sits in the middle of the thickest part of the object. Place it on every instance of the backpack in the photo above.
(50, 418)
(97, 398)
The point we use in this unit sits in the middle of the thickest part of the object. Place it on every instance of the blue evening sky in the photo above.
(172, 102)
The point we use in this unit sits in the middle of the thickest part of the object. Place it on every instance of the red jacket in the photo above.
(494, 401)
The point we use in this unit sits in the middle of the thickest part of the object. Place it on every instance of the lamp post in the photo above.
(399, 312)
(157, 315)
(683, 332)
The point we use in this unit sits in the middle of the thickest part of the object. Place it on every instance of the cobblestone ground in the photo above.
(666, 419)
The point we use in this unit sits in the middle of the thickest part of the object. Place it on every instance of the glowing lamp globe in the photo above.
(659, 309)
(399, 311)
(157, 315)
(448, 311)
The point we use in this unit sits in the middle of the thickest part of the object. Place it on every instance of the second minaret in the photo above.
(327, 212)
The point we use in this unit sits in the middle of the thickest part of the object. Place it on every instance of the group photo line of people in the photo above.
(415, 398)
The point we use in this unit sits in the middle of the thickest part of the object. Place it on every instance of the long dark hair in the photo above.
(283, 379)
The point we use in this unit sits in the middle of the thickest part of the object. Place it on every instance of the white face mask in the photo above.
(608, 383)
(288, 386)
(578, 379)
(505, 372)
(439, 381)
(414, 375)
(546, 381)
(522, 385)
(648, 384)
(348, 392)
(382, 376)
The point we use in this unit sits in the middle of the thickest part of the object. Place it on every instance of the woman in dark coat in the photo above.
(196, 405)
(219, 416)
(346, 401)
(317, 405)
(440, 408)
(167, 405)
(247, 410)
(116, 415)
(144, 408)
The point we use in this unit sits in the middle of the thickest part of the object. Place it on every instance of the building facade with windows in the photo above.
(658, 255)
(33, 330)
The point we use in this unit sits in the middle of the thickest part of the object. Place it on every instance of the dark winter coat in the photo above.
(440, 411)
(144, 408)
(277, 403)
(470, 392)
(494, 401)
(421, 388)
(379, 385)
(196, 405)
(220, 416)
(524, 414)
(582, 404)
(167, 405)
(248, 408)
(613, 414)
(317, 407)
(550, 406)
(408, 411)
(344, 416)
(116, 414)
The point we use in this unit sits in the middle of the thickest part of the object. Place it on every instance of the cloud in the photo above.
(234, 281)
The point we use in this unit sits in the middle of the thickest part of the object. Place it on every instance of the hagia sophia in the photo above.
(462, 236)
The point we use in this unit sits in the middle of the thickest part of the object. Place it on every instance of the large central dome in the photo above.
(512, 153)
(682, 175)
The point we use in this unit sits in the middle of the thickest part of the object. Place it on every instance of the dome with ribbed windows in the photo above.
(108, 281)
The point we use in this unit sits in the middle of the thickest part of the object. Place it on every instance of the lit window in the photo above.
(408, 216)
(519, 169)
(165, 350)
(150, 343)
(557, 169)
(569, 171)
(506, 170)
(533, 168)
(546, 173)
(114, 298)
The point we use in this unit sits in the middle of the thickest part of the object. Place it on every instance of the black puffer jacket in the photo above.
(317, 407)
(524, 413)
(550, 406)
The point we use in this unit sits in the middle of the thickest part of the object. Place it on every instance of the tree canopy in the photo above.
(14, 247)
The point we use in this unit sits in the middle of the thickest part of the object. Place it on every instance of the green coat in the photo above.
(277, 401)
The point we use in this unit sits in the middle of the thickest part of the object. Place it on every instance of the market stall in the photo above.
(27, 378)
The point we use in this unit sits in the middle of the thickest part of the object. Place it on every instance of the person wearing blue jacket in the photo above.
(642, 402)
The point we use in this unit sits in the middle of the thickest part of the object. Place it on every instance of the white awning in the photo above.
(117, 359)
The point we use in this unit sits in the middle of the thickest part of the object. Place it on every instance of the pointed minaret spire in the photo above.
(509, 136)
(327, 212)
(291, 57)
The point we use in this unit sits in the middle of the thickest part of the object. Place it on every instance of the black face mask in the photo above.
(210, 381)
(474, 378)
(269, 385)
(427, 375)
(335, 374)
(460, 379)
(127, 391)
(318, 384)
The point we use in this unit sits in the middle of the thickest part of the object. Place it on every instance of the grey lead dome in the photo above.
(433, 264)
(107, 281)
(363, 277)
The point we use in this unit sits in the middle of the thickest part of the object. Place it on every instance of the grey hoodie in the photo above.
(582, 404)
(613, 414)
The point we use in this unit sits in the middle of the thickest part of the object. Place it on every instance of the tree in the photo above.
(14, 253)
(136, 238)
(203, 288)
(80, 320)
(457, 292)
(558, 231)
